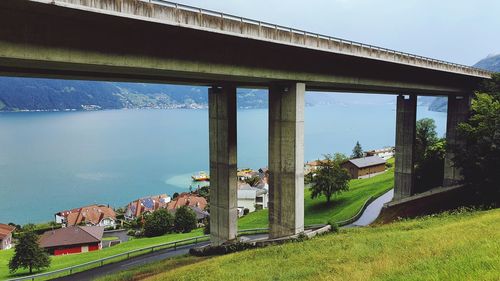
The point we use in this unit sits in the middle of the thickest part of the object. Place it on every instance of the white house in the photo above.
(252, 198)
(6, 236)
(385, 153)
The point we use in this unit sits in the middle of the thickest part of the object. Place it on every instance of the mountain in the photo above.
(33, 94)
(491, 63)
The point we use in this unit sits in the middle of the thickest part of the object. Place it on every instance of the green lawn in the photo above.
(343, 207)
(110, 238)
(463, 246)
(59, 262)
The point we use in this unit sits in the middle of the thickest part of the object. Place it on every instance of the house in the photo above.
(93, 215)
(201, 215)
(187, 199)
(366, 166)
(311, 167)
(72, 240)
(386, 152)
(252, 198)
(6, 236)
(146, 205)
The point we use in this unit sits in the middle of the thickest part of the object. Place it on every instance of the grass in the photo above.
(460, 246)
(59, 262)
(110, 238)
(342, 207)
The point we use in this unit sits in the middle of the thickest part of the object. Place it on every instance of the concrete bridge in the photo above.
(158, 41)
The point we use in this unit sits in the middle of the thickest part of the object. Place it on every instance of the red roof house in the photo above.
(72, 240)
(187, 199)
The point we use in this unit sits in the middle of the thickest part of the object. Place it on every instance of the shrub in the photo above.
(158, 223)
(335, 227)
(185, 220)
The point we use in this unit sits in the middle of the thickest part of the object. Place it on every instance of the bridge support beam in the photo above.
(406, 116)
(458, 111)
(286, 159)
(223, 166)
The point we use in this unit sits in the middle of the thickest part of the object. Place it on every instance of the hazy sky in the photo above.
(461, 31)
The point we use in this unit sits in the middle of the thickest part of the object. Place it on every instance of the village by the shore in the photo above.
(84, 229)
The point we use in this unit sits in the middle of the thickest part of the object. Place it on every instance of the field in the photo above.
(459, 246)
(342, 207)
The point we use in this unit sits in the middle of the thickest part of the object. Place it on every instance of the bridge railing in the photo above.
(342, 45)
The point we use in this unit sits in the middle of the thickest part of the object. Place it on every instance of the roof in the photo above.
(245, 191)
(147, 204)
(5, 230)
(367, 161)
(200, 214)
(73, 235)
(92, 214)
(187, 199)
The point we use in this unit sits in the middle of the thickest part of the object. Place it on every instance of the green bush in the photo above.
(185, 220)
(335, 227)
(158, 223)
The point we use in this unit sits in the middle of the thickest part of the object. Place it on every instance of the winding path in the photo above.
(373, 210)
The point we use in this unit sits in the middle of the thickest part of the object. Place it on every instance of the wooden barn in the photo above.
(366, 166)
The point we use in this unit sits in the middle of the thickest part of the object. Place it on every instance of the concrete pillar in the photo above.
(406, 118)
(286, 159)
(458, 111)
(223, 166)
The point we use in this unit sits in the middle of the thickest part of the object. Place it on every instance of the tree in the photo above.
(175, 195)
(330, 178)
(480, 160)
(425, 136)
(185, 220)
(357, 151)
(158, 223)
(429, 156)
(28, 254)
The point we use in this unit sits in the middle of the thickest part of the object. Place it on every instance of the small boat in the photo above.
(201, 176)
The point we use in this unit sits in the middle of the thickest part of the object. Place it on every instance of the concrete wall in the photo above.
(404, 170)
(286, 159)
(458, 111)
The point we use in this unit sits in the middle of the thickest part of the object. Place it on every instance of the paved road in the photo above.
(373, 210)
(127, 264)
(138, 261)
(369, 215)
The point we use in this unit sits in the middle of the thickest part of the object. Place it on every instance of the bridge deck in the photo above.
(197, 18)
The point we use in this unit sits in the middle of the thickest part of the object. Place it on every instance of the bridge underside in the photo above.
(42, 40)
(50, 41)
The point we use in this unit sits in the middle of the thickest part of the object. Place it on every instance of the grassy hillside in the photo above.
(461, 246)
(343, 207)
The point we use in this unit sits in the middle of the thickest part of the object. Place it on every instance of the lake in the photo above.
(51, 161)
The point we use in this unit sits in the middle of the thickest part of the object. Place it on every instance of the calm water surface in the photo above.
(59, 160)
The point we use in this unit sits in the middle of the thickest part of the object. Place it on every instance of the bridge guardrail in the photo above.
(405, 55)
